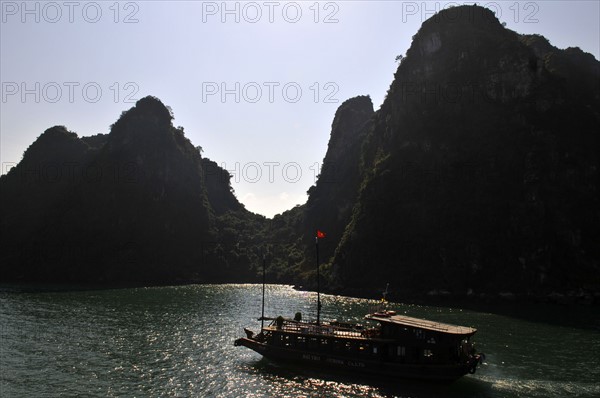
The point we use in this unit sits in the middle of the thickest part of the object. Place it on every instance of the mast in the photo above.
(262, 315)
(318, 282)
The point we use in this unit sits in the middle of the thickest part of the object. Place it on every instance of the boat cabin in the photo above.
(413, 340)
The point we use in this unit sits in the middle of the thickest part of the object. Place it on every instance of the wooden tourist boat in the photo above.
(395, 346)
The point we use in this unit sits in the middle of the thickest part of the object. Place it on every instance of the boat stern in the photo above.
(475, 360)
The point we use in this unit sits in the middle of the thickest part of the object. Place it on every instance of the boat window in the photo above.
(337, 345)
(401, 351)
(364, 349)
(374, 350)
(287, 341)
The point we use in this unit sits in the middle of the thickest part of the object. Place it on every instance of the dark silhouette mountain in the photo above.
(131, 206)
(479, 175)
(481, 169)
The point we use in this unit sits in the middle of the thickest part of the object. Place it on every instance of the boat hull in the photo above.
(431, 372)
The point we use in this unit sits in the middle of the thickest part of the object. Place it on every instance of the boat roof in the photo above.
(417, 323)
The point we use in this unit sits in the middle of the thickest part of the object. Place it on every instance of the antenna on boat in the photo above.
(386, 292)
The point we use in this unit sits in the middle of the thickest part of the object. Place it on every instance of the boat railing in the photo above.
(314, 329)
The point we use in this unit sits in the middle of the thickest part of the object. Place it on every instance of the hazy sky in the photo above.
(256, 84)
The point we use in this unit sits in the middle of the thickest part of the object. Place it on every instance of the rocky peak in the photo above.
(53, 147)
(330, 202)
(442, 29)
(148, 121)
(346, 128)
(150, 107)
(54, 136)
(464, 54)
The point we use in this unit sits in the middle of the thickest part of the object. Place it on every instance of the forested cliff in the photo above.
(479, 174)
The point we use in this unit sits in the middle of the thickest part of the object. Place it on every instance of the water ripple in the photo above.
(178, 342)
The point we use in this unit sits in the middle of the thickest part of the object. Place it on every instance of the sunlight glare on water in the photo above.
(178, 341)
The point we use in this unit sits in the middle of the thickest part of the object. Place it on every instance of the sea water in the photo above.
(178, 342)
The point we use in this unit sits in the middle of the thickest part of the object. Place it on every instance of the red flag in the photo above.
(320, 234)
